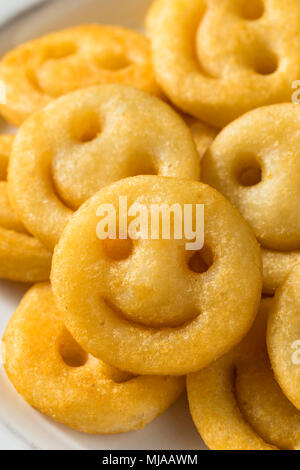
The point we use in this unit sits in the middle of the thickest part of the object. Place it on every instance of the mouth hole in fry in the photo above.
(33, 80)
(189, 316)
(253, 9)
(114, 62)
(249, 171)
(117, 250)
(145, 167)
(3, 168)
(60, 51)
(71, 353)
(201, 261)
(86, 127)
(266, 62)
(116, 375)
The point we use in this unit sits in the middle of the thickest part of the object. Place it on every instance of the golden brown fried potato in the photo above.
(51, 371)
(236, 402)
(43, 69)
(284, 336)
(22, 257)
(218, 59)
(152, 306)
(256, 165)
(86, 140)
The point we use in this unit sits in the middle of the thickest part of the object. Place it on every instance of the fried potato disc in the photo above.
(43, 69)
(217, 59)
(236, 403)
(150, 305)
(22, 257)
(255, 163)
(56, 376)
(284, 336)
(83, 141)
(276, 267)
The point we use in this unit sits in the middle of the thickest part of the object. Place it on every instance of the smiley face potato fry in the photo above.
(22, 257)
(51, 371)
(284, 336)
(217, 59)
(236, 403)
(156, 183)
(86, 140)
(43, 69)
(153, 306)
(255, 163)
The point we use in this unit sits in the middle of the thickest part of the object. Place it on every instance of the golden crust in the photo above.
(22, 257)
(150, 313)
(256, 165)
(216, 76)
(236, 403)
(86, 140)
(50, 370)
(43, 69)
(284, 335)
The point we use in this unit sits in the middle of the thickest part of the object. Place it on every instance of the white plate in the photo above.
(174, 429)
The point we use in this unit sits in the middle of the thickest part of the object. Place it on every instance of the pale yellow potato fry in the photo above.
(217, 59)
(148, 306)
(284, 336)
(255, 163)
(85, 140)
(236, 403)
